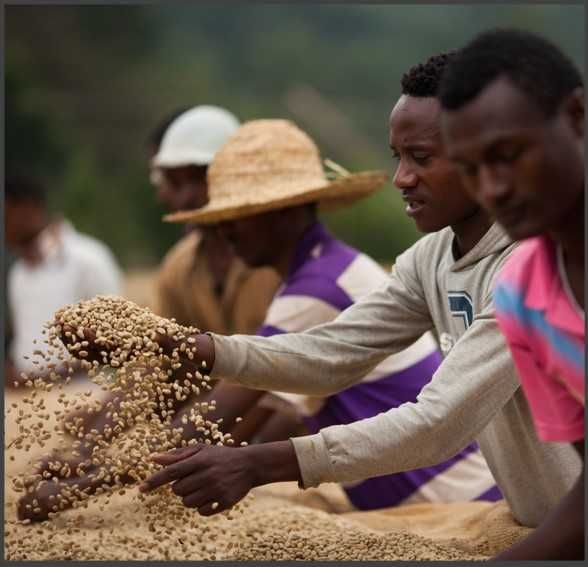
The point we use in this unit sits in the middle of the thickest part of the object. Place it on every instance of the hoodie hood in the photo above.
(495, 241)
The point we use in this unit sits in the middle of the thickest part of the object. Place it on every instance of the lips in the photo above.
(413, 204)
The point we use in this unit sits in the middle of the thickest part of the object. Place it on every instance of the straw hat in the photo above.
(272, 164)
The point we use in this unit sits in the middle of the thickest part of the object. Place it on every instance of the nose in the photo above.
(225, 229)
(404, 177)
(165, 196)
(494, 185)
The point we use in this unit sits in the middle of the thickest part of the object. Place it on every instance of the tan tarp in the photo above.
(473, 530)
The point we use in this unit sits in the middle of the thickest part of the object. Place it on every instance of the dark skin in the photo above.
(25, 220)
(527, 170)
(524, 169)
(267, 239)
(429, 183)
(427, 179)
(184, 188)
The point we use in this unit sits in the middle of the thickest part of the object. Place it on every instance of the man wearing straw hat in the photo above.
(443, 282)
(200, 281)
(260, 202)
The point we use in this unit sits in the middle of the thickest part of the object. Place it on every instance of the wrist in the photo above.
(199, 354)
(272, 462)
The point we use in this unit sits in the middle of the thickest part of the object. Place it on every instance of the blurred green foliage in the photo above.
(85, 85)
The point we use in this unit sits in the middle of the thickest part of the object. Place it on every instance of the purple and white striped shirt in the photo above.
(327, 276)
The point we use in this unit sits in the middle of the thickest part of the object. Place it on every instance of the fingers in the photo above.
(190, 484)
(196, 499)
(37, 506)
(70, 335)
(203, 503)
(209, 509)
(172, 472)
(176, 455)
(165, 342)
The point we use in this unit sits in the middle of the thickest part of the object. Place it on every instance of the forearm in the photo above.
(560, 536)
(273, 462)
(231, 402)
(320, 362)
(327, 358)
(450, 412)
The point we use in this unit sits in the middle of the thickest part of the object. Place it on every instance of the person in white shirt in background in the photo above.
(55, 265)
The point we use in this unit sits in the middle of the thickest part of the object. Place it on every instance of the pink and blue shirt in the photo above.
(544, 328)
(326, 276)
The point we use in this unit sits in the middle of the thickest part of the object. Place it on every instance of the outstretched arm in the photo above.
(327, 358)
(459, 402)
(212, 478)
(472, 384)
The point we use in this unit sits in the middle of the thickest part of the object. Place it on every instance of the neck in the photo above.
(469, 231)
(570, 234)
(288, 244)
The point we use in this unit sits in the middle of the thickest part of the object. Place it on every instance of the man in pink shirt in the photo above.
(544, 327)
(513, 119)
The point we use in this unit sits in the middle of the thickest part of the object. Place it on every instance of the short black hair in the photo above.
(20, 188)
(534, 65)
(424, 79)
(156, 135)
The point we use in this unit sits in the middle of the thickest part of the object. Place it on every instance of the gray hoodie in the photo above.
(475, 393)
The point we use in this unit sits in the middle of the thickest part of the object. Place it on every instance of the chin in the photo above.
(427, 227)
(254, 262)
(522, 231)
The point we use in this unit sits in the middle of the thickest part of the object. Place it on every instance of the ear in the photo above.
(574, 108)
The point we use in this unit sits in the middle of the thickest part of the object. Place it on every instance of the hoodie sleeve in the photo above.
(331, 357)
(472, 384)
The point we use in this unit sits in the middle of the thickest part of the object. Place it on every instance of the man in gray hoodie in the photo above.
(442, 283)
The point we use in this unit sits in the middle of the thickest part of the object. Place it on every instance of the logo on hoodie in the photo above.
(461, 306)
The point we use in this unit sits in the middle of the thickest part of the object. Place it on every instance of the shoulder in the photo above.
(262, 282)
(304, 304)
(90, 250)
(16, 272)
(183, 250)
(336, 274)
(524, 262)
(430, 247)
(362, 276)
(180, 256)
(523, 271)
(420, 262)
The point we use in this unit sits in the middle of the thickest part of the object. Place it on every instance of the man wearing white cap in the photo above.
(200, 281)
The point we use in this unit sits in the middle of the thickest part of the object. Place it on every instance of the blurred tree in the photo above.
(33, 144)
(89, 82)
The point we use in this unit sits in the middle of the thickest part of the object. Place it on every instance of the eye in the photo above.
(420, 157)
(468, 169)
(509, 154)
(395, 155)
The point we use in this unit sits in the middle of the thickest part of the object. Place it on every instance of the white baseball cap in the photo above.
(195, 136)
